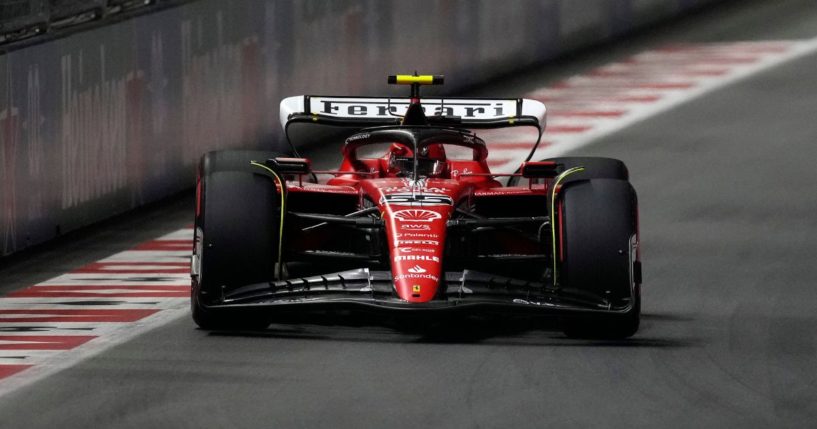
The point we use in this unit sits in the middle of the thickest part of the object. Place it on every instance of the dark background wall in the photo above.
(97, 120)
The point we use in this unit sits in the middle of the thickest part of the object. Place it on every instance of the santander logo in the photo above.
(417, 269)
(416, 215)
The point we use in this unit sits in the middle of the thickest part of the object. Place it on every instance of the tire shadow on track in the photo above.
(652, 317)
(474, 331)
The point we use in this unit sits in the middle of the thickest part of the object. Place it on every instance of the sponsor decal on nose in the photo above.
(417, 269)
(416, 258)
(416, 215)
(416, 276)
(416, 235)
(414, 250)
(416, 227)
(425, 242)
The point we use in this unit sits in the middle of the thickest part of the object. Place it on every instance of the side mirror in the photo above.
(540, 169)
(289, 165)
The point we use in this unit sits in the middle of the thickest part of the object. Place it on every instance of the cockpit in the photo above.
(429, 162)
(411, 152)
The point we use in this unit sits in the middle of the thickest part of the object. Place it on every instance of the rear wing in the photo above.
(378, 111)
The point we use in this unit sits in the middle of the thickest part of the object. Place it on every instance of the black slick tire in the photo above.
(236, 235)
(598, 226)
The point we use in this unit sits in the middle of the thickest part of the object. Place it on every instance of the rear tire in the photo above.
(598, 226)
(236, 234)
(595, 167)
(234, 160)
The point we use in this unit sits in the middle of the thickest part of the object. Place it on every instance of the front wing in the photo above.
(372, 291)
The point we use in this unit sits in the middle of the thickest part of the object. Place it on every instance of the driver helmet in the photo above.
(430, 161)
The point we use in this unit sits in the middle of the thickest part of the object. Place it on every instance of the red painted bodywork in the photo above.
(416, 233)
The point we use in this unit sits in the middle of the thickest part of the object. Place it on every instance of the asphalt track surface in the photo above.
(729, 335)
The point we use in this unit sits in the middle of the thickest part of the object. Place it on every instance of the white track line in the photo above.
(119, 298)
(584, 91)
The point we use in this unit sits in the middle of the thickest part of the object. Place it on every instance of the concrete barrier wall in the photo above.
(104, 120)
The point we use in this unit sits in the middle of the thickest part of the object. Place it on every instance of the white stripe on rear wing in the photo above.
(371, 109)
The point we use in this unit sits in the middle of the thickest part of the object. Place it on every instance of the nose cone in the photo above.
(416, 241)
(416, 271)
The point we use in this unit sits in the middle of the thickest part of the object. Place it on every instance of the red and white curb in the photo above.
(602, 101)
(52, 325)
(55, 324)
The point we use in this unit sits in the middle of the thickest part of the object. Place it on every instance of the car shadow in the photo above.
(476, 331)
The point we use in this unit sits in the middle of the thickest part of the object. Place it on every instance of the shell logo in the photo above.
(416, 215)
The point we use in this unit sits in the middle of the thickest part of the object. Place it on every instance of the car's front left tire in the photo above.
(598, 230)
(238, 209)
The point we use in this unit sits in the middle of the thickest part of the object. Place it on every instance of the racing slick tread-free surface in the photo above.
(238, 225)
(597, 224)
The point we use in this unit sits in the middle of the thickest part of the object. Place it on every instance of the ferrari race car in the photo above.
(413, 222)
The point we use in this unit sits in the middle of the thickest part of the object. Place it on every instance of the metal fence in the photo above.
(23, 19)
(15, 9)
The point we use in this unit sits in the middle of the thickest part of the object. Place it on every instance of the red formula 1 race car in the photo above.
(413, 222)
